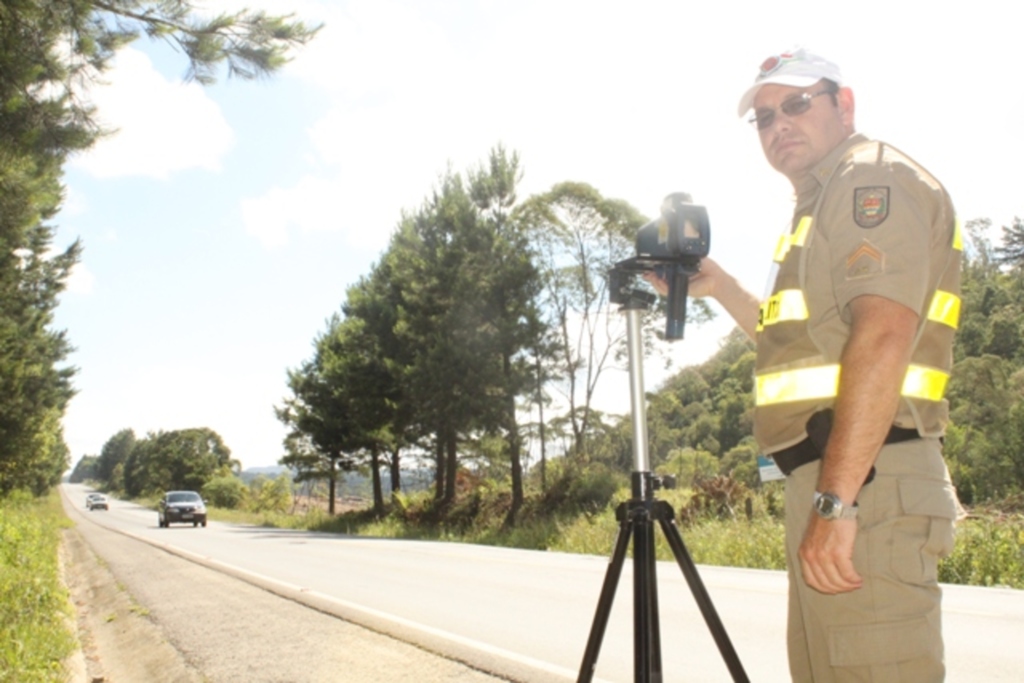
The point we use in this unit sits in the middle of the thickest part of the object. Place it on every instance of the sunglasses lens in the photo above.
(795, 106)
(764, 119)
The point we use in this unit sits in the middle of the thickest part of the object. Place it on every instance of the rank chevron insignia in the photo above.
(866, 260)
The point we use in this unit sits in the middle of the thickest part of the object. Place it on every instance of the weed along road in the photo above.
(515, 615)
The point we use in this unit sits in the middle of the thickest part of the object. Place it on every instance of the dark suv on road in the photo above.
(186, 507)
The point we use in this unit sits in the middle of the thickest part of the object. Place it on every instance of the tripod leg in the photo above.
(604, 604)
(646, 631)
(655, 651)
(700, 594)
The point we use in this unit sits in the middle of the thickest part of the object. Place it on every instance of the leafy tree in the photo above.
(434, 347)
(310, 465)
(1013, 439)
(1011, 252)
(609, 440)
(346, 408)
(441, 259)
(579, 235)
(509, 287)
(250, 43)
(706, 407)
(740, 463)
(320, 439)
(690, 465)
(35, 387)
(85, 469)
(181, 459)
(371, 370)
(112, 458)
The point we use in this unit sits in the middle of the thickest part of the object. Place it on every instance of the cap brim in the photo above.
(747, 101)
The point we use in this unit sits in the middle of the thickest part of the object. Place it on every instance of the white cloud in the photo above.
(162, 126)
(406, 103)
(313, 205)
(81, 280)
(75, 202)
(372, 48)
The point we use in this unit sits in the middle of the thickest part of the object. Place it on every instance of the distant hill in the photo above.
(349, 483)
(269, 471)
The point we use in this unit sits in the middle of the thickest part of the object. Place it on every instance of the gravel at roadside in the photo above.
(148, 616)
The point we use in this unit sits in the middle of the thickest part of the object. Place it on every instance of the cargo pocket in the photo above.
(924, 533)
(878, 644)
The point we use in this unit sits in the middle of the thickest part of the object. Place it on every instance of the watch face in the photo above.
(826, 506)
(829, 506)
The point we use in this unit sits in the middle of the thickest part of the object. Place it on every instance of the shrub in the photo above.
(592, 488)
(989, 551)
(270, 495)
(226, 492)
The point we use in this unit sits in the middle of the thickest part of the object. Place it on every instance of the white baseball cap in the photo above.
(798, 67)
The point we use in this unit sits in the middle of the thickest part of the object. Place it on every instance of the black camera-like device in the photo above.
(671, 246)
(682, 234)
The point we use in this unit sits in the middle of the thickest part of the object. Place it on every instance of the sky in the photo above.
(222, 225)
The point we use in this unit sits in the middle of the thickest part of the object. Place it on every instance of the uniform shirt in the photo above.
(873, 222)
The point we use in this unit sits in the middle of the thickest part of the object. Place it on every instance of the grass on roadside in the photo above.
(35, 636)
(989, 548)
(989, 551)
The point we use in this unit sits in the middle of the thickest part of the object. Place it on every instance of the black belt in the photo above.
(788, 459)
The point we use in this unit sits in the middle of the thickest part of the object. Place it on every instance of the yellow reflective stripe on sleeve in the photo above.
(924, 383)
(789, 305)
(806, 384)
(945, 309)
(795, 239)
(782, 306)
(958, 235)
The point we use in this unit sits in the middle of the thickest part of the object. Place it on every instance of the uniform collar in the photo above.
(819, 176)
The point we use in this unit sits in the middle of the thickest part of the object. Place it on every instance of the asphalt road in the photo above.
(521, 615)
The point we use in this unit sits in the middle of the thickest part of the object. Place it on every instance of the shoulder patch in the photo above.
(870, 206)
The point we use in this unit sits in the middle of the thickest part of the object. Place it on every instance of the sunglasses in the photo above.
(793, 106)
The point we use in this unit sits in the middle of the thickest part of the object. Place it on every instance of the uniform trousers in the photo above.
(889, 630)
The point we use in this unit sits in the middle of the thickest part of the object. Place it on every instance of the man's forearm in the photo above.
(874, 363)
(743, 306)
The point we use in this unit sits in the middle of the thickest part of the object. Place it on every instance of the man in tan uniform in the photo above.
(853, 354)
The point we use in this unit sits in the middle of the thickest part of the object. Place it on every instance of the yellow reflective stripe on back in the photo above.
(797, 385)
(945, 309)
(796, 239)
(782, 306)
(820, 382)
(958, 235)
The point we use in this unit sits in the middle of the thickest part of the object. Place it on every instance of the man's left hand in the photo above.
(826, 555)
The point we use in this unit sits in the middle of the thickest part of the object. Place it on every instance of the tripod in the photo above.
(636, 520)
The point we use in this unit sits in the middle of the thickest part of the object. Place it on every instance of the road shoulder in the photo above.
(118, 640)
(147, 615)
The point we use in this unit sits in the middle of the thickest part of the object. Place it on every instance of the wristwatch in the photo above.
(828, 506)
